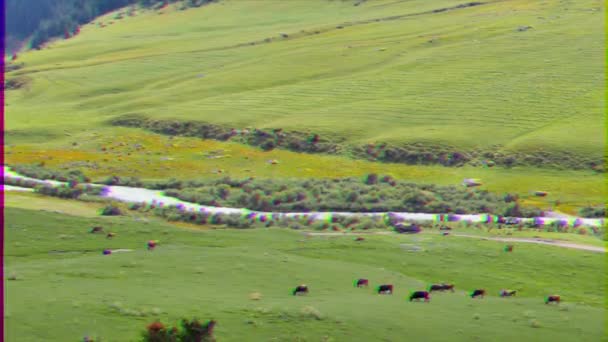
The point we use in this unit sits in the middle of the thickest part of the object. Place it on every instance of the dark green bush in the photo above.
(111, 210)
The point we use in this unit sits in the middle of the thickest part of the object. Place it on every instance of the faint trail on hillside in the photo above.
(541, 242)
(524, 240)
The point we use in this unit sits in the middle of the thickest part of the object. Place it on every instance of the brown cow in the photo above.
(441, 287)
(97, 229)
(385, 289)
(507, 293)
(420, 295)
(362, 282)
(552, 299)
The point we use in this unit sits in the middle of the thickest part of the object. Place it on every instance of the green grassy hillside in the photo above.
(517, 77)
(61, 288)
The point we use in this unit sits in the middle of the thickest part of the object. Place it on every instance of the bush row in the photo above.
(373, 194)
(71, 190)
(243, 221)
(266, 140)
(336, 223)
(406, 153)
(449, 156)
(20, 182)
(40, 172)
(593, 212)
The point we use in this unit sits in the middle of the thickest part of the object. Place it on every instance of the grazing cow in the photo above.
(445, 233)
(110, 235)
(420, 295)
(441, 287)
(362, 282)
(507, 293)
(509, 248)
(552, 299)
(411, 229)
(97, 230)
(478, 293)
(359, 239)
(152, 244)
(300, 289)
(445, 228)
(385, 289)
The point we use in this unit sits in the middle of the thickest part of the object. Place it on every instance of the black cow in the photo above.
(441, 287)
(478, 293)
(411, 229)
(362, 283)
(385, 289)
(552, 299)
(420, 295)
(300, 289)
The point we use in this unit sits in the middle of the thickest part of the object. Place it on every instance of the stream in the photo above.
(142, 195)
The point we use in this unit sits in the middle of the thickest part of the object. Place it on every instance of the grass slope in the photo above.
(33, 201)
(211, 273)
(396, 72)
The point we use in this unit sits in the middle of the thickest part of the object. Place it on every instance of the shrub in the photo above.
(191, 331)
(157, 332)
(111, 210)
(593, 212)
(371, 179)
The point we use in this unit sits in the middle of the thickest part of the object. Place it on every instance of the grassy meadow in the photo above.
(243, 278)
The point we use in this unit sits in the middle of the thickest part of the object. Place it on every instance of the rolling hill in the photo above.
(492, 79)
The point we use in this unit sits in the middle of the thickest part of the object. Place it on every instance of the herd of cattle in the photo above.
(381, 289)
(150, 245)
(426, 295)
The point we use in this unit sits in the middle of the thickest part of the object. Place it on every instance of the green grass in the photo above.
(35, 201)
(211, 274)
(479, 83)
